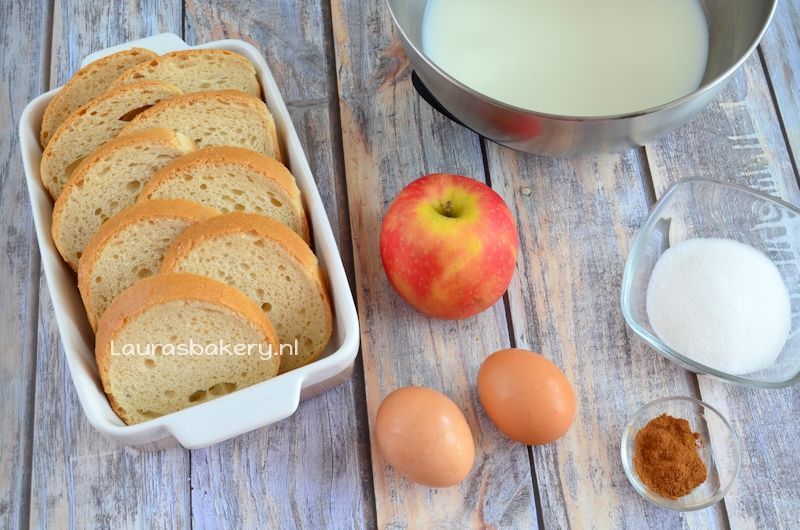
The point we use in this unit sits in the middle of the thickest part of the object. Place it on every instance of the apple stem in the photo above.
(448, 208)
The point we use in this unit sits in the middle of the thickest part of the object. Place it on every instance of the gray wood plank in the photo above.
(80, 479)
(24, 75)
(311, 470)
(390, 138)
(780, 49)
(738, 138)
(576, 218)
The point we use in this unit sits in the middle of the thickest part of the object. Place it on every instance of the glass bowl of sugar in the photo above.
(712, 282)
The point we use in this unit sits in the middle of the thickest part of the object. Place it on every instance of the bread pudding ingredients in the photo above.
(425, 437)
(721, 303)
(526, 396)
(449, 245)
(666, 457)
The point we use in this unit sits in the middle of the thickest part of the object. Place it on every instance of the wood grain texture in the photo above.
(391, 137)
(81, 480)
(311, 470)
(738, 138)
(780, 49)
(81, 27)
(576, 219)
(24, 77)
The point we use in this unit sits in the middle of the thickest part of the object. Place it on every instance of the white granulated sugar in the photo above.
(721, 303)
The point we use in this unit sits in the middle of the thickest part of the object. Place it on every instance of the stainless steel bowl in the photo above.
(735, 28)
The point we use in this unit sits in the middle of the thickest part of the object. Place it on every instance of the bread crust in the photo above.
(87, 109)
(165, 137)
(154, 209)
(129, 75)
(163, 288)
(57, 105)
(156, 135)
(259, 163)
(228, 96)
(238, 222)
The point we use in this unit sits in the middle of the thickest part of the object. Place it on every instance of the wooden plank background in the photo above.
(24, 76)
(739, 139)
(346, 82)
(384, 151)
(565, 303)
(79, 478)
(298, 469)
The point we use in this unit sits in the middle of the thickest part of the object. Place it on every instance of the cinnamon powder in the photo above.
(666, 457)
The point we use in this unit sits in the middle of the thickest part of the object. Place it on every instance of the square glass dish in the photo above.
(241, 411)
(704, 208)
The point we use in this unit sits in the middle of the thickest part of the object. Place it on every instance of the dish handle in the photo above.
(253, 407)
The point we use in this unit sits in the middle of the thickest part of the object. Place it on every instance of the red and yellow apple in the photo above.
(449, 245)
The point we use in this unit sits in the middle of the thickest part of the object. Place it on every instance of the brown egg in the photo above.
(425, 436)
(526, 396)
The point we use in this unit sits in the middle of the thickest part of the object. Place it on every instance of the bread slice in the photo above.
(273, 266)
(131, 246)
(107, 182)
(232, 179)
(198, 70)
(140, 337)
(88, 83)
(94, 124)
(219, 117)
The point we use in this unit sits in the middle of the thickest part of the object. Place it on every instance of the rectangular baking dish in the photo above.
(246, 409)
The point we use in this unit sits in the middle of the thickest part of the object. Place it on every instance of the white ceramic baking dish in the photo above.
(243, 410)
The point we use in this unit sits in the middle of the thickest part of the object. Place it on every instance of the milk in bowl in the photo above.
(583, 58)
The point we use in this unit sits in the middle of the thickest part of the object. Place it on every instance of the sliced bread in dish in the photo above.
(273, 266)
(94, 124)
(215, 118)
(169, 342)
(131, 246)
(198, 70)
(232, 179)
(88, 83)
(108, 181)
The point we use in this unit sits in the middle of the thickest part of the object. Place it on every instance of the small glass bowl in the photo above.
(719, 451)
(698, 207)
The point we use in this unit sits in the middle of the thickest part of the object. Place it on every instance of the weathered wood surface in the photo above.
(346, 81)
(311, 470)
(576, 219)
(780, 50)
(80, 479)
(391, 137)
(24, 76)
(738, 138)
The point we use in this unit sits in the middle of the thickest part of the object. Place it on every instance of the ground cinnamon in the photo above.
(666, 457)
